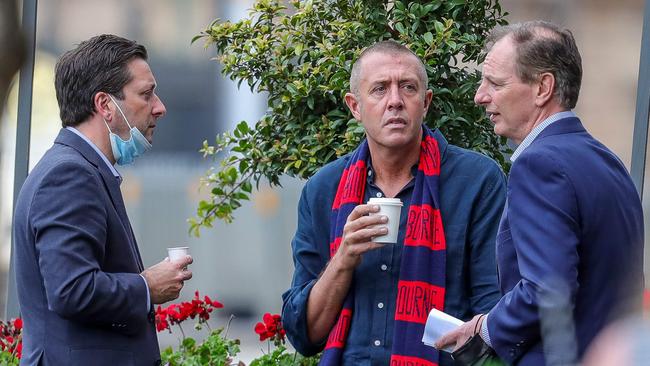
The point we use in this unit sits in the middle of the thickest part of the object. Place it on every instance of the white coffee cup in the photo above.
(177, 253)
(391, 208)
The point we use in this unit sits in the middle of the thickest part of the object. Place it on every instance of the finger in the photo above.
(364, 235)
(187, 275)
(183, 262)
(366, 222)
(361, 248)
(362, 210)
(186, 260)
(446, 340)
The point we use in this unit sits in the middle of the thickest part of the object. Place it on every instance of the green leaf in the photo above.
(400, 28)
(428, 38)
(440, 28)
(298, 49)
(292, 89)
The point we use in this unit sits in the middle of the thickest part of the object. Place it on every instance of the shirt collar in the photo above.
(537, 130)
(99, 152)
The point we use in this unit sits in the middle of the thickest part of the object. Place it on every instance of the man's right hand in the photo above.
(165, 279)
(358, 232)
(327, 296)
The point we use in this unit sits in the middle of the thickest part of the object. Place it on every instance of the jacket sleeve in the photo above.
(308, 264)
(544, 225)
(486, 214)
(69, 219)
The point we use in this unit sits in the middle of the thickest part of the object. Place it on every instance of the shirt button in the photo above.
(384, 267)
(377, 343)
(380, 305)
(369, 173)
(379, 194)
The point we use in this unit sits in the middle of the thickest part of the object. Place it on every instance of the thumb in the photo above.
(445, 340)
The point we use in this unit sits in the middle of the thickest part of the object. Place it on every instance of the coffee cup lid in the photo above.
(385, 201)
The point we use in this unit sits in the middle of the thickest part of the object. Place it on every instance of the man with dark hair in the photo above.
(570, 242)
(84, 294)
(364, 302)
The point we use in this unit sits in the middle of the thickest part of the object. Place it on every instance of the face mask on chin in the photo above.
(125, 152)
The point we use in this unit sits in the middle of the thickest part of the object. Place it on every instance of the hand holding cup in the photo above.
(391, 208)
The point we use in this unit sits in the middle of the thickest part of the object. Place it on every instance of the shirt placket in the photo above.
(381, 306)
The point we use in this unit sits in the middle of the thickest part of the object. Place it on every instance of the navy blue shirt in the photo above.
(472, 195)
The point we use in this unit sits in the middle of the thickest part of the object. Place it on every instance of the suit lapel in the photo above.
(113, 186)
(111, 183)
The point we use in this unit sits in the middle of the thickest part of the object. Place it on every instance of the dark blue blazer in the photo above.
(569, 248)
(77, 264)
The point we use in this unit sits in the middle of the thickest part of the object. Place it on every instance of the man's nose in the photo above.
(481, 97)
(395, 98)
(159, 109)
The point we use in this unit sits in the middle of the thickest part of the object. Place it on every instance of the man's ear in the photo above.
(428, 95)
(354, 105)
(100, 101)
(545, 89)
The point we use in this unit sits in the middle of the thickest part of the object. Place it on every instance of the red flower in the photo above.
(177, 313)
(161, 319)
(19, 350)
(18, 324)
(214, 303)
(271, 328)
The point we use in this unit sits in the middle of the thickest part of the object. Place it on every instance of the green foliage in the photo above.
(214, 350)
(302, 57)
(8, 359)
(280, 357)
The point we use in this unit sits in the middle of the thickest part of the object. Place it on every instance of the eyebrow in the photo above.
(150, 86)
(400, 81)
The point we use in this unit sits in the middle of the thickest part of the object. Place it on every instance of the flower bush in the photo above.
(271, 330)
(217, 349)
(11, 342)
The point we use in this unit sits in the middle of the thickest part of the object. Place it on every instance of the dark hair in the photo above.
(98, 64)
(545, 47)
(390, 47)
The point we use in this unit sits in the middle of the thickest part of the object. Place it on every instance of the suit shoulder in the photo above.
(61, 160)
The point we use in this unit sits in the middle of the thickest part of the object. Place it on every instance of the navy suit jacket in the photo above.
(77, 264)
(569, 248)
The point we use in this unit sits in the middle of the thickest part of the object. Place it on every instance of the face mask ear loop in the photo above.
(122, 113)
(109, 129)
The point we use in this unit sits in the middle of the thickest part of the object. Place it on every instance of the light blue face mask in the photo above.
(125, 152)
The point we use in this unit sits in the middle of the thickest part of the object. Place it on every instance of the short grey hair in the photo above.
(390, 47)
(545, 47)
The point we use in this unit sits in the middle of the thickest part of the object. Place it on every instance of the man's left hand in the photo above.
(460, 335)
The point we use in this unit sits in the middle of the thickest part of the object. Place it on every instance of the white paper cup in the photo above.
(391, 208)
(177, 253)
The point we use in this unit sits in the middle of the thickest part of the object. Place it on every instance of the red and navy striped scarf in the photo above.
(421, 284)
